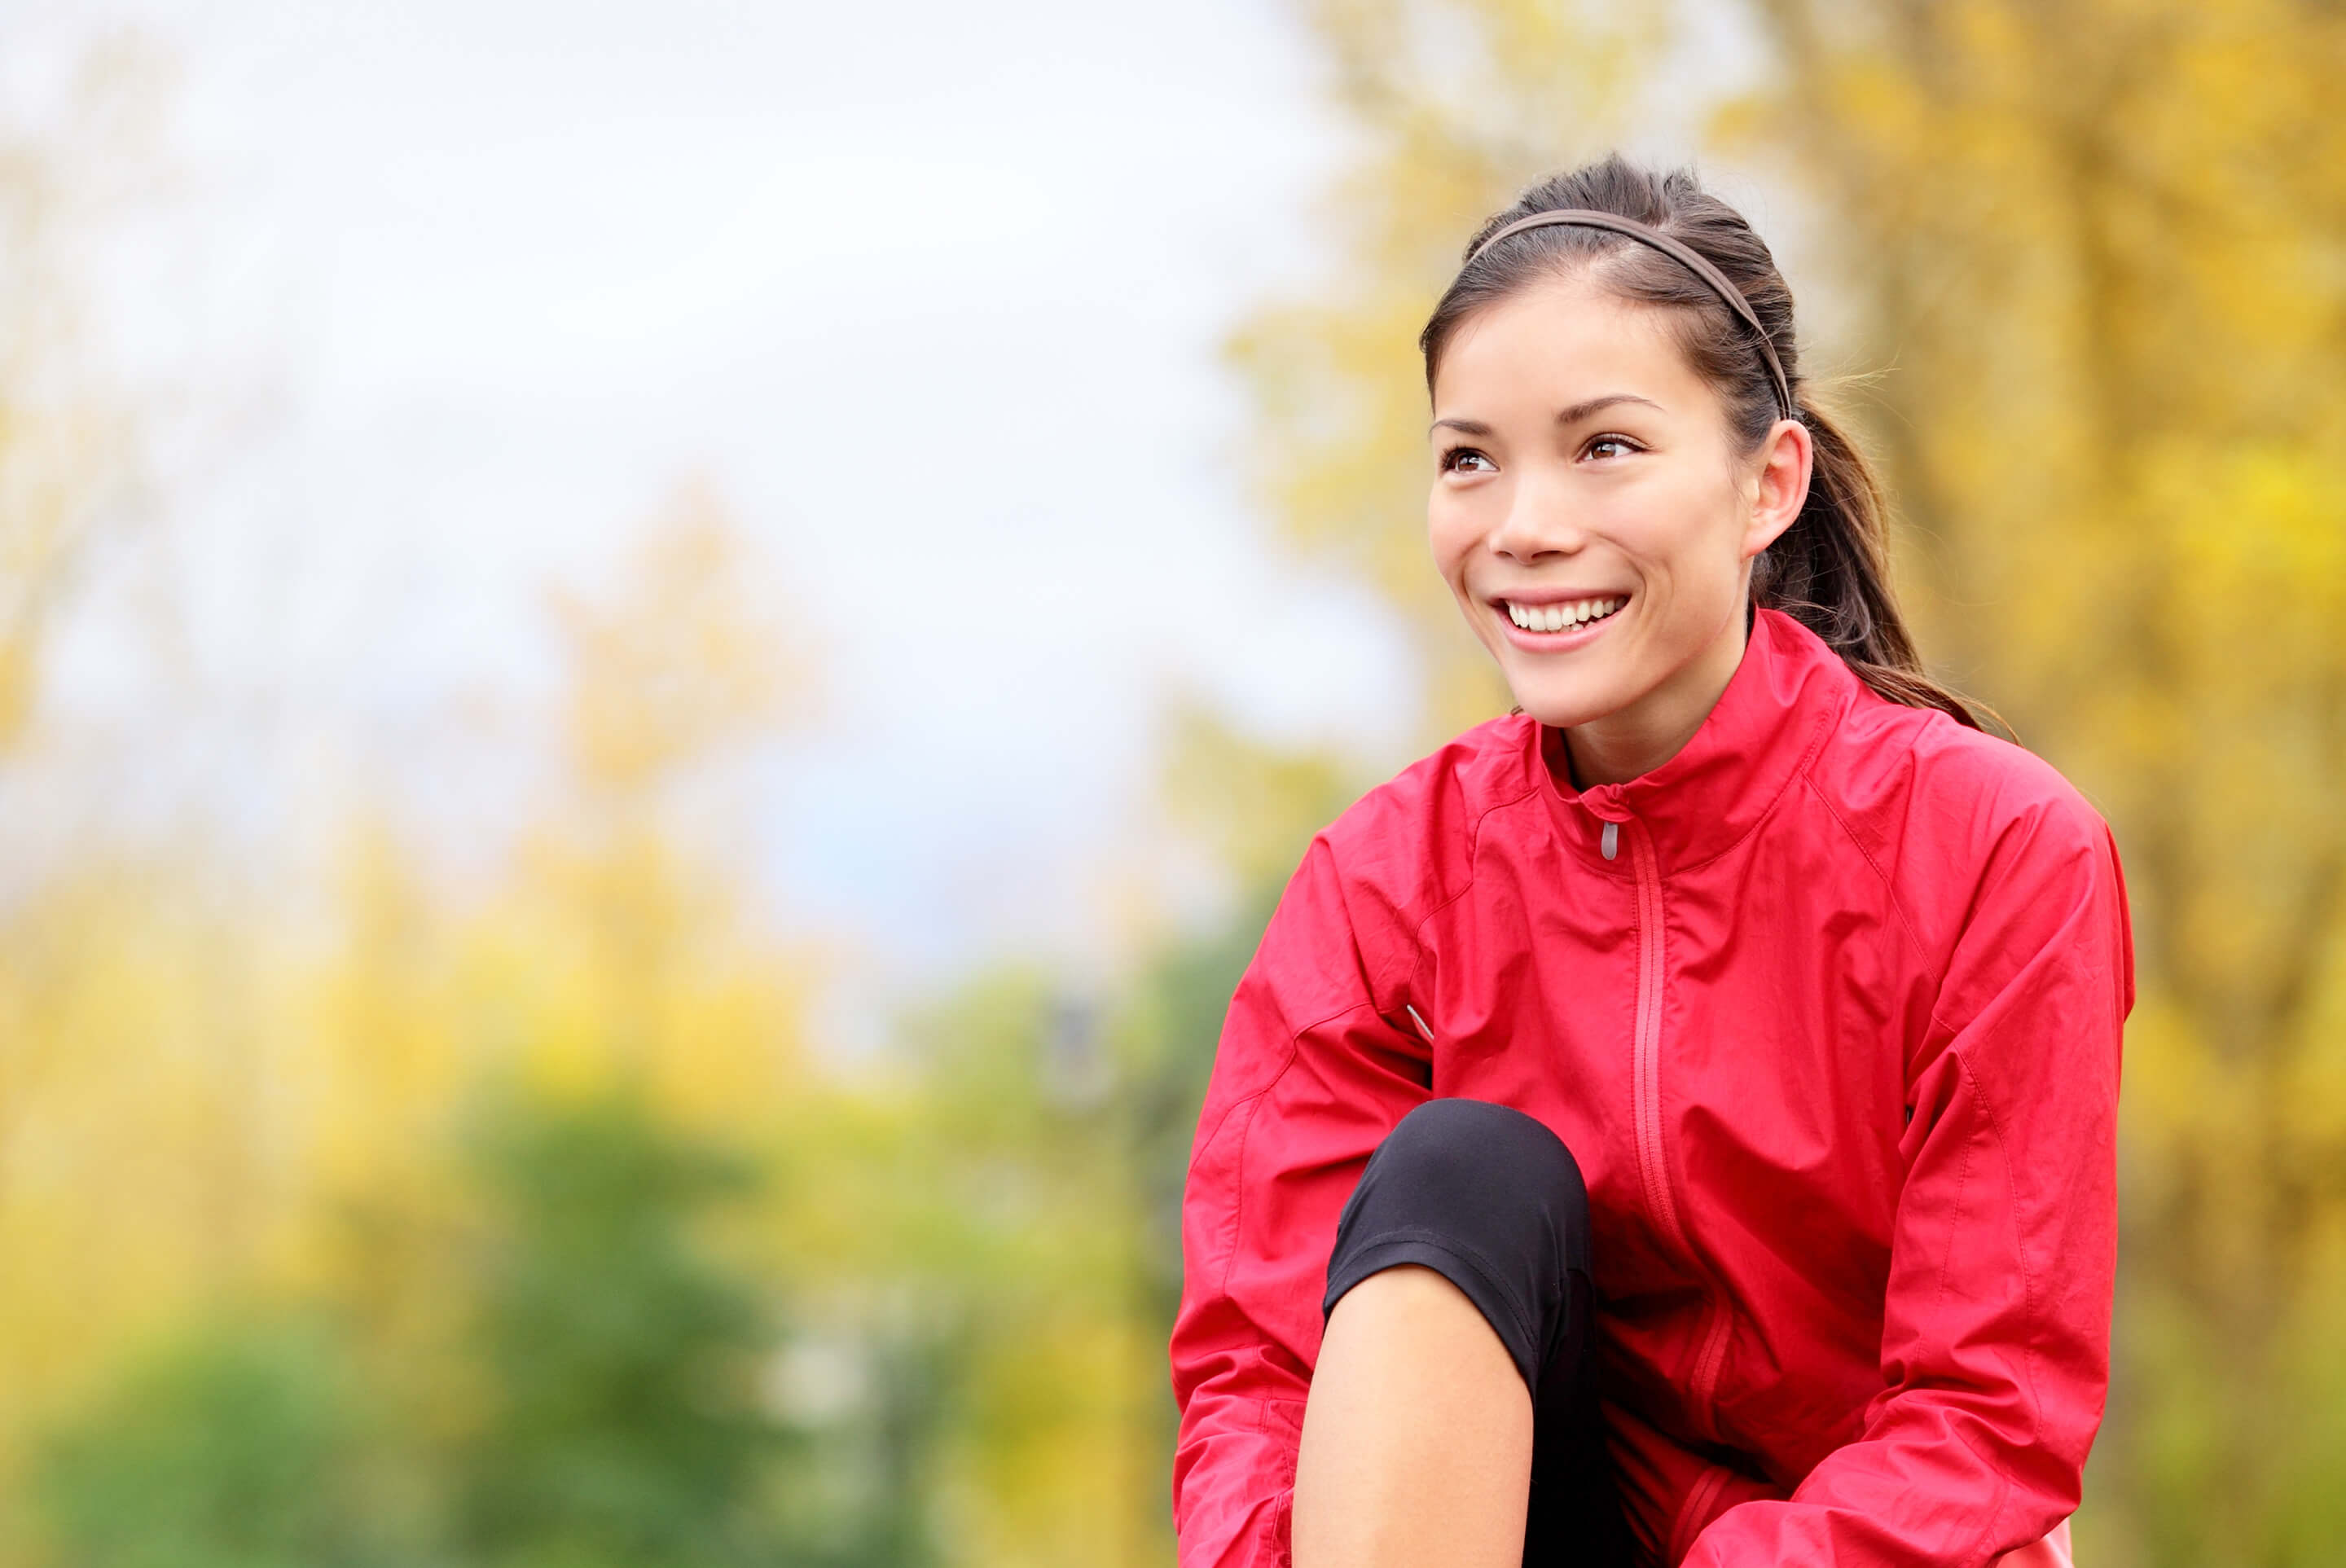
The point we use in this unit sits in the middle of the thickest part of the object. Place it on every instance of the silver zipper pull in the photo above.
(1611, 842)
(1414, 1018)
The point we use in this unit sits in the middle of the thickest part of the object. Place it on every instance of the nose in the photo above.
(1539, 517)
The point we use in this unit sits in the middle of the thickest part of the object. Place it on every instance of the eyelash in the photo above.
(1450, 458)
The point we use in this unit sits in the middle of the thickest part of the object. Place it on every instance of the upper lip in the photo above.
(1558, 596)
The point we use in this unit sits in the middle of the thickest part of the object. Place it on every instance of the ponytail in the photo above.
(1829, 570)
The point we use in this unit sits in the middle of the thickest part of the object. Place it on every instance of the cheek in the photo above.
(1451, 533)
(1684, 552)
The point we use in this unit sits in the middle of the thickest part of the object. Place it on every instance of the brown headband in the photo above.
(1590, 218)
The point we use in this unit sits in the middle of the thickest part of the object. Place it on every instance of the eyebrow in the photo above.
(1572, 415)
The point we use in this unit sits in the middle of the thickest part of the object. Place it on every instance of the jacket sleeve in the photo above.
(1995, 1338)
(1306, 1078)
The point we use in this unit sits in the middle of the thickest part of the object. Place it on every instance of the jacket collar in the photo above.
(1788, 692)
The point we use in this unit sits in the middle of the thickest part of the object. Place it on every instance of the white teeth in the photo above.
(1555, 617)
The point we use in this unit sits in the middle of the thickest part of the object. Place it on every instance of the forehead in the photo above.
(1556, 342)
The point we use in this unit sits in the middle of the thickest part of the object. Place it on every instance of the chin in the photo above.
(1564, 704)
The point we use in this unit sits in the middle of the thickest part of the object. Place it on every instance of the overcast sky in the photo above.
(446, 296)
(930, 293)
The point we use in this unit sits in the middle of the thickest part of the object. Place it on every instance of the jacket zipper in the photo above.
(1653, 1168)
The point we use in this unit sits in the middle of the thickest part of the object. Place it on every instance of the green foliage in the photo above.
(624, 1427)
(243, 1445)
(1029, 1242)
(642, 1401)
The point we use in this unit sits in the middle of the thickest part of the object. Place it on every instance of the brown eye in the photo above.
(1457, 457)
(1624, 443)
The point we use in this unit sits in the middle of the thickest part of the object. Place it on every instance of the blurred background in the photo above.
(659, 662)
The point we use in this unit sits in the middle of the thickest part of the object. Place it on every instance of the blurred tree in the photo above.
(679, 673)
(133, 1044)
(866, 1410)
(688, 660)
(235, 1104)
(623, 1424)
(132, 1038)
(68, 434)
(1026, 1225)
(1248, 805)
(607, 956)
(242, 1445)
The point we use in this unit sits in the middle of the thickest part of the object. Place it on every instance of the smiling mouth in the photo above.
(1563, 616)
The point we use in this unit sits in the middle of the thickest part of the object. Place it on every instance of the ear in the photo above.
(1786, 462)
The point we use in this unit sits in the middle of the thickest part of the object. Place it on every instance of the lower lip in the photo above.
(1564, 641)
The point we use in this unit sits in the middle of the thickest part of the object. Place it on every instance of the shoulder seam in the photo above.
(1474, 844)
(1938, 999)
(1250, 1104)
(1889, 888)
(1294, 1045)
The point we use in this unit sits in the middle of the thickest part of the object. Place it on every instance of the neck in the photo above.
(1651, 731)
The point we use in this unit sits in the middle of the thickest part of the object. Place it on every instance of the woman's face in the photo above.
(1584, 474)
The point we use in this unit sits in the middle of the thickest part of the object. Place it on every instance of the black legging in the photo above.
(1492, 1199)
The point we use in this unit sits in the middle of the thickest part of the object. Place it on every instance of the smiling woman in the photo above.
(1703, 411)
(1542, 498)
(1675, 1121)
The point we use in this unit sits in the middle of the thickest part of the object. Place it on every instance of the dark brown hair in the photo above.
(1829, 570)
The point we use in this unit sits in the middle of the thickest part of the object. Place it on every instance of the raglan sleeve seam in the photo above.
(1247, 1101)
(1865, 852)
(1250, 1104)
(2097, 856)
(1473, 869)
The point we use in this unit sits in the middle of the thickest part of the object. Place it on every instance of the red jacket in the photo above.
(1828, 1006)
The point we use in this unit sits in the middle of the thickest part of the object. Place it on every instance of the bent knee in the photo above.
(1491, 1199)
(1483, 1146)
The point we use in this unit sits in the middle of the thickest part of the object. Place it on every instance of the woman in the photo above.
(1734, 1026)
